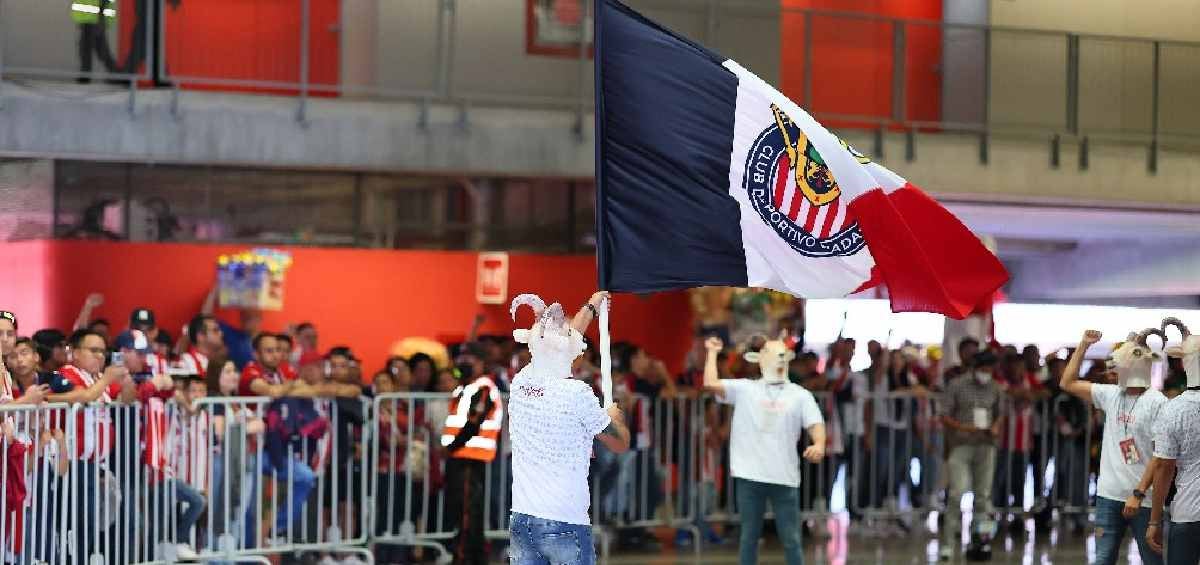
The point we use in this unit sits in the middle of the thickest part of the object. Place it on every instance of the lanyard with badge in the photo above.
(1129, 449)
(771, 408)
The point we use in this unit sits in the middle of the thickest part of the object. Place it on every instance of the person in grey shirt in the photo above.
(971, 415)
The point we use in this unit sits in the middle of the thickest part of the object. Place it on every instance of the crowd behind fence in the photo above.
(157, 479)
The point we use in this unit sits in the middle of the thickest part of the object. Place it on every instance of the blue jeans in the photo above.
(1110, 532)
(1183, 543)
(188, 516)
(302, 481)
(752, 497)
(537, 541)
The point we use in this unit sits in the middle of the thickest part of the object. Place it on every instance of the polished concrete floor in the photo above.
(885, 546)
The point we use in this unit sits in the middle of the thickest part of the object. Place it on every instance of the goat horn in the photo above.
(532, 300)
(1172, 321)
(1142, 335)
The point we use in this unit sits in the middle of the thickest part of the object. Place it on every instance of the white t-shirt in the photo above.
(1125, 417)
(1177, 436)
(552, 422)
(767, 423)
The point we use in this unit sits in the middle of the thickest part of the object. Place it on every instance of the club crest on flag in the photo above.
(794, 192)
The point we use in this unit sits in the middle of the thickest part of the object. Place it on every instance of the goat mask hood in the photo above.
(1188, 351)
(553, 344)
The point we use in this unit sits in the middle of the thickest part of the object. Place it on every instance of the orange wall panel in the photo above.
(236, 39)
(368, 299)
(852, 58)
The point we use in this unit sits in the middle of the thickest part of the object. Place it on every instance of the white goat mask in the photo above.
(1189, 351)
(551, 334)
(1133, 359)
(773, 359)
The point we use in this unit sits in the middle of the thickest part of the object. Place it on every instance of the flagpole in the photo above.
(606, 387)
(601, 241)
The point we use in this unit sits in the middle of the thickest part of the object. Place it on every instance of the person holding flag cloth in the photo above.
(707, 176)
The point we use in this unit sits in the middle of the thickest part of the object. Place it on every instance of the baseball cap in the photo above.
(135, 340)
(142, 318)
(6, 315)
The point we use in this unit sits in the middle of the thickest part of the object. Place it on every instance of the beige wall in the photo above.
(1115, 75)
(489, 56)
(1163, 19)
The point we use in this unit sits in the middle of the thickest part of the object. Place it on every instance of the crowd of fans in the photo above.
(886, 444)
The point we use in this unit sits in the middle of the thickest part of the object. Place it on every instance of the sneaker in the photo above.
(683, 538)
(946, 553)
(711, 537)
(185, 552)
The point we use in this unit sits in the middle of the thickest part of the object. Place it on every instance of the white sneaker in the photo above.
(184, 552)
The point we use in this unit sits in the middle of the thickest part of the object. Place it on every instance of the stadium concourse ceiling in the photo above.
(1075, 224)
(1068, 253)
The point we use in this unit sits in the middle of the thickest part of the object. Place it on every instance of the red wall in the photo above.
(26, 265)
(236, 39)
(365, 298)
(852, 58)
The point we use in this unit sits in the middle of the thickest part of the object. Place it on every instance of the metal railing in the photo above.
(143, 481)
(904, 74)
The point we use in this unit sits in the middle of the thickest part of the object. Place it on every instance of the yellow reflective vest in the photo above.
(88, 11)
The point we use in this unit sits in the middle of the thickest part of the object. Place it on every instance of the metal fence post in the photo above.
(899, 71)
(1152, 165)
(451, 47)
(987, 78)
(1072, 83)
(808, 59)
(583, 70)
(302, 115)
(1, 54)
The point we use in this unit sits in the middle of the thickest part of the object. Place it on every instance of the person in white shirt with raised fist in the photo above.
(1130, 409)
(769, 416)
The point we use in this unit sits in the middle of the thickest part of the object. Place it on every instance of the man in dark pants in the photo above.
(93, 18)
(470, 438)
(147, 23)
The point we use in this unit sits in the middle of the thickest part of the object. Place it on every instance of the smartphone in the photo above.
(117, 359)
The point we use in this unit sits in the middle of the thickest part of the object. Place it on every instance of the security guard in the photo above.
(93, 18)
(470, 438)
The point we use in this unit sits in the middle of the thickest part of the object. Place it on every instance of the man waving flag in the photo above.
(708, 176)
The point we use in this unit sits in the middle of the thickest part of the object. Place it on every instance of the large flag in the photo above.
(706, 175)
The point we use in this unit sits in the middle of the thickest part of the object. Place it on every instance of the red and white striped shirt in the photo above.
(93, 425)
(193, 362)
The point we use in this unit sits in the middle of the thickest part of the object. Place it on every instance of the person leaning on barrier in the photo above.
(1177, 461)
(769, 416)
(971, 416)
(1126, 470)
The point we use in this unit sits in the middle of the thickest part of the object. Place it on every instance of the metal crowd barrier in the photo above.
(234, 479)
